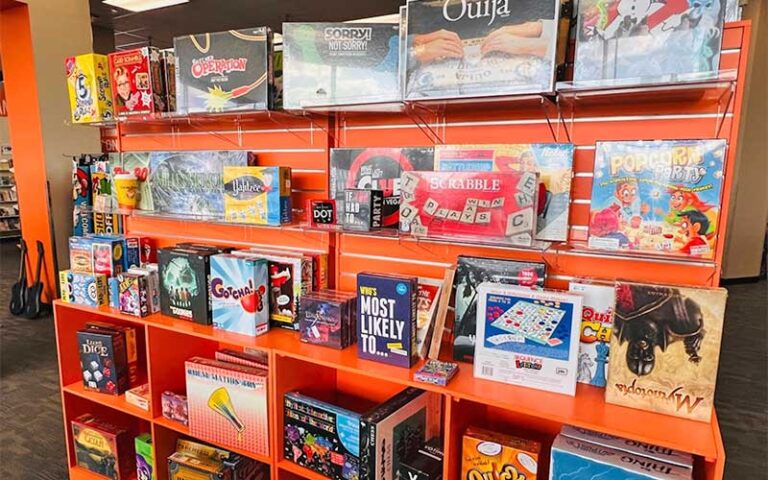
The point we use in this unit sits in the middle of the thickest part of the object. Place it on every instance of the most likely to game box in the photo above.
(498, 206)
(528, 337)
(460, 48)
(666, 349)
(224, 71)
(90, 95)
(340, 63)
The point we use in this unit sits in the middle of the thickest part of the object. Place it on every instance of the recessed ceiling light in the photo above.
(143, 5)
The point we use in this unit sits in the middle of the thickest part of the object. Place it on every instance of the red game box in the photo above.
(488, 205)
(137, 81)
(103, 448)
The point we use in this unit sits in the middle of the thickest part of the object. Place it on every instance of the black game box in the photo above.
(362, 209)
(224, 71)
(425, 464)
(328, 318)
(103, 360)
(184, 279)
(340, 63)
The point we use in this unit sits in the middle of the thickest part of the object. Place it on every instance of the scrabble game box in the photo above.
(599, 302)
(527, 337)
(103, 448)
(471, 272)
(496, 455)
(259, 195)
(90, 94)
(103, 360)
(224, 71)
(184, 283)
(239, 294)
(137, 81)
(228, 404)
(492, 205)
(340, 63)
(673, 371)
(386, 318)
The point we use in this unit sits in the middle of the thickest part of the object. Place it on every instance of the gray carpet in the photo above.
(32, 437)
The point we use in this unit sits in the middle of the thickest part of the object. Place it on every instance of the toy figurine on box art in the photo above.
(90, 95)
(259, 195)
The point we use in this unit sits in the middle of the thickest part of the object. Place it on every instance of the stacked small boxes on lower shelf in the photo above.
(198, 461)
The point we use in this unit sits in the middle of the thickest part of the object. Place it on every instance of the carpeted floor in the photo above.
(31, 431)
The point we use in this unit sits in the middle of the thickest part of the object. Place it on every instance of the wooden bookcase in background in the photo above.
(709, 109)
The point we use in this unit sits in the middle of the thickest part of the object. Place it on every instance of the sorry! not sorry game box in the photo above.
(657, 196)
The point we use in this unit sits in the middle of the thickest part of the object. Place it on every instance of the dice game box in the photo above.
(239, 294)
(103, 448)
(259, 195)
(103, 360)
(133, 294)
(184, 282)
(90, 94)
(138, 86)
(498, 206)
(386, 318)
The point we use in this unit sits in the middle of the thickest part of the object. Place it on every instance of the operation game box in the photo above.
(90, 94)
(340, 63)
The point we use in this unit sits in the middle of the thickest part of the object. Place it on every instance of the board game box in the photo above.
(362, 209)
(90, 94)
(197, 461)
(594, 462)
(528, 337)
(103, 448)
(239, 294)
(137, 81)
(83, 288)
(386, 318)
(471, 272)
(461, 48)
(145, 458)
(133, 294)
(552, 161)
(425, 464)
(657, 196)
(426, 307)
(103, 360)
(340, 63)
(376, 169)
(128, 334)
(224, 71)
(228, 404)
(259, 195)
(599, 302)
(665, 349)
(494, 205)
(101, 182)
(169, 71)
(328, 318)
(192, 183)
(395, 430)
(487, 454)
(184, 283)
(620, 41)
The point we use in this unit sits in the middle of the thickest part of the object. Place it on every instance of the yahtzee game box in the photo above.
(666, 349)
(657, 196)
(259, 195)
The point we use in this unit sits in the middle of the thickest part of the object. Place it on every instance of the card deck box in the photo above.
(184, 284)
(145, 461)
(138, 397)
(599, 302)
(327, 318)
(362, 209)
(103, 360)
(133, 294)
(239, 294)
(90, 94)
(224, 71)
(527, 337)
(322, 213)
(394, 430)
(132, 255)
(497, 455)
(673, 372)
(103, 448)
(323, 434)
(386, 318)
(493, 205)
(88, 289)
(228, 404)
(325, 62)
(470, 273)
(137, 81)
(596, 462)
(175, 407)
(113, 286)
(259, 195)
(108, 223)
(425, 464)
(108, 254)
(148, 252)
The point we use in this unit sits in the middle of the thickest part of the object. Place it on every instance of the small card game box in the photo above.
(137, 81)
(425, 464)
(103, 448)
(321, 213)
(596, 329)
(386, 318)
(152, 275)
(258, 195)
(169, 71)
(90, 94)
(492, 205)
(497, 455)
(594, 462)
(175, 407)
(139, 397)
(362, 209)
(81, 254)
(103, 360)
(328, 318)
(83, 288)
(145, 461)
(133, 294)
(184, 284)
(436, 372)
(239, 294)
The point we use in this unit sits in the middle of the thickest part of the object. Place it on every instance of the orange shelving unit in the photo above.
(705, 109)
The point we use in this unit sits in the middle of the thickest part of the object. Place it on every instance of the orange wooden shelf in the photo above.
(299, 470)
(79, 473)
(116, 402)
(171, 425)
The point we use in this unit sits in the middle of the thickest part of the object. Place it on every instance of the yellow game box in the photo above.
(491, 455)
(90, 96)
(258, 195)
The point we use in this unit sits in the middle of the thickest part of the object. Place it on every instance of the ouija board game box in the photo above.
(340, 63)
(224, 71)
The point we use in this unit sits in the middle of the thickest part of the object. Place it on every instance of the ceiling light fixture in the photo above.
(143, 5)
